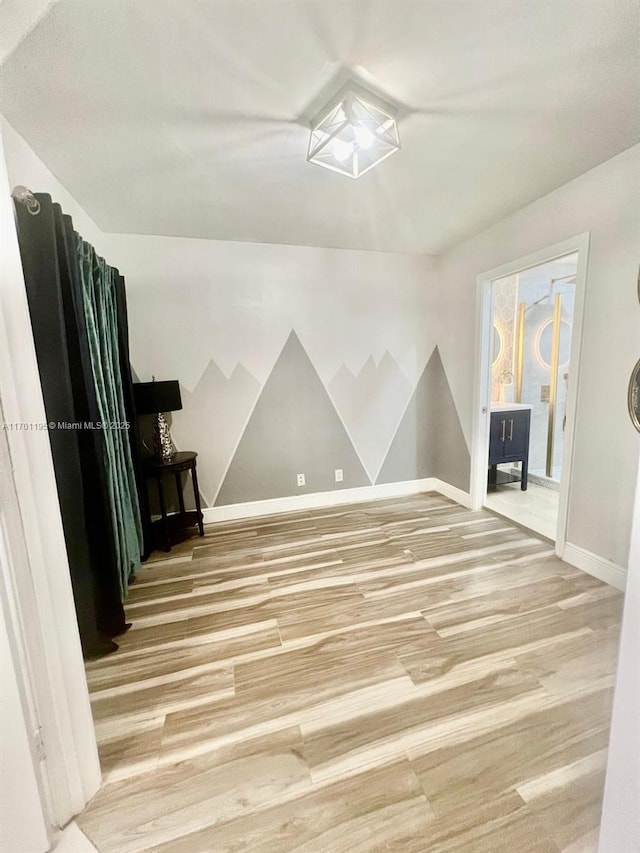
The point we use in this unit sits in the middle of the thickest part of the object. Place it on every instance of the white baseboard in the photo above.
(590, 563)
(292, 503)
(449, 491)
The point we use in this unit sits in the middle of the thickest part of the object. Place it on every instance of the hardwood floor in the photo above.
(396, 675)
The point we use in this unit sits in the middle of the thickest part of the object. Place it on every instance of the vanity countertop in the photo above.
(509, 407)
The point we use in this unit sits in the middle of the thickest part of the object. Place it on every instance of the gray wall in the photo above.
(603, 202)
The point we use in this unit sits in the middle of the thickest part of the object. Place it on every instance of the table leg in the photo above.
(163, 510)
(180, 495)
(196, 494)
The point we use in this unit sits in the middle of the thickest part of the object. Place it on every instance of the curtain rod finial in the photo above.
(27, 198)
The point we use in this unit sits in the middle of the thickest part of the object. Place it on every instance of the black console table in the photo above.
(156, 469)
(509, 442)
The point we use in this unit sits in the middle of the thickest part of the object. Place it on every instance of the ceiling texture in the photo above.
(190, 117)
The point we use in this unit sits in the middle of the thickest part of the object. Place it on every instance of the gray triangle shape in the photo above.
(191, 427)
(429, 441)
(294, 429)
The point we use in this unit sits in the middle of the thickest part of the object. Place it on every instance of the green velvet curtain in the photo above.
(99, 282)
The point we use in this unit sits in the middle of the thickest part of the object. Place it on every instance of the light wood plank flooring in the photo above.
(400, 675)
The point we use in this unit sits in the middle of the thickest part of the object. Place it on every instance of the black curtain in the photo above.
(48, 247)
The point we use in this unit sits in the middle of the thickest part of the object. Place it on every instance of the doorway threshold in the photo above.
(536, 509)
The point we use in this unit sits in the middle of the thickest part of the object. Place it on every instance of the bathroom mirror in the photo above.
(634, 397)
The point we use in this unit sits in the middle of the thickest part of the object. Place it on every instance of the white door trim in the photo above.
(49, 628)
(482, 389)
(25, 785)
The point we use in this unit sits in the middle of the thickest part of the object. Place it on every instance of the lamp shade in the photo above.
(154, 397)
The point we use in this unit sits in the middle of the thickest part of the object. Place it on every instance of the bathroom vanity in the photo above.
(509, 442)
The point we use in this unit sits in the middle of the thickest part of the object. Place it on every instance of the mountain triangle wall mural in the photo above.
(371, 403)
(211, 420)
(294, 428)
(429, 441)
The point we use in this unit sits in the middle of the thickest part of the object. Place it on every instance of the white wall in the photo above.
(237, 302)
(26, 169)
(604, 202)
(19, 17)
(620, 829)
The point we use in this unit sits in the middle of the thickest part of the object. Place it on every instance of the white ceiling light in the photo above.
(355, 131)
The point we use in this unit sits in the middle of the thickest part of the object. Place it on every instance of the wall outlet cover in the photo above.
(339, 475)
(301, 479)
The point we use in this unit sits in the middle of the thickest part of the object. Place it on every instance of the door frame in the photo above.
(28, 785)
(482, 384)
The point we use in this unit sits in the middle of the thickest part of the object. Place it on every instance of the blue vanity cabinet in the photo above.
(509, 442)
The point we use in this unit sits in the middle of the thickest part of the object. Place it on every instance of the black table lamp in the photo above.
(156, 398)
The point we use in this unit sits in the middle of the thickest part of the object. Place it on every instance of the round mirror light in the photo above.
(498, 345)
(544, 343)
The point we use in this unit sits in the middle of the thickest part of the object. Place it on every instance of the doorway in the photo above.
(530, 316)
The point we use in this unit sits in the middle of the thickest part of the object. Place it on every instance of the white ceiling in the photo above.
(187, 117)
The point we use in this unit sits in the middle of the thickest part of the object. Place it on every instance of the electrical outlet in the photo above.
(301, 480)
(339, 475)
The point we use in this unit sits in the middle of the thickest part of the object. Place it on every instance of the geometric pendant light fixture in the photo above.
(354, 132)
